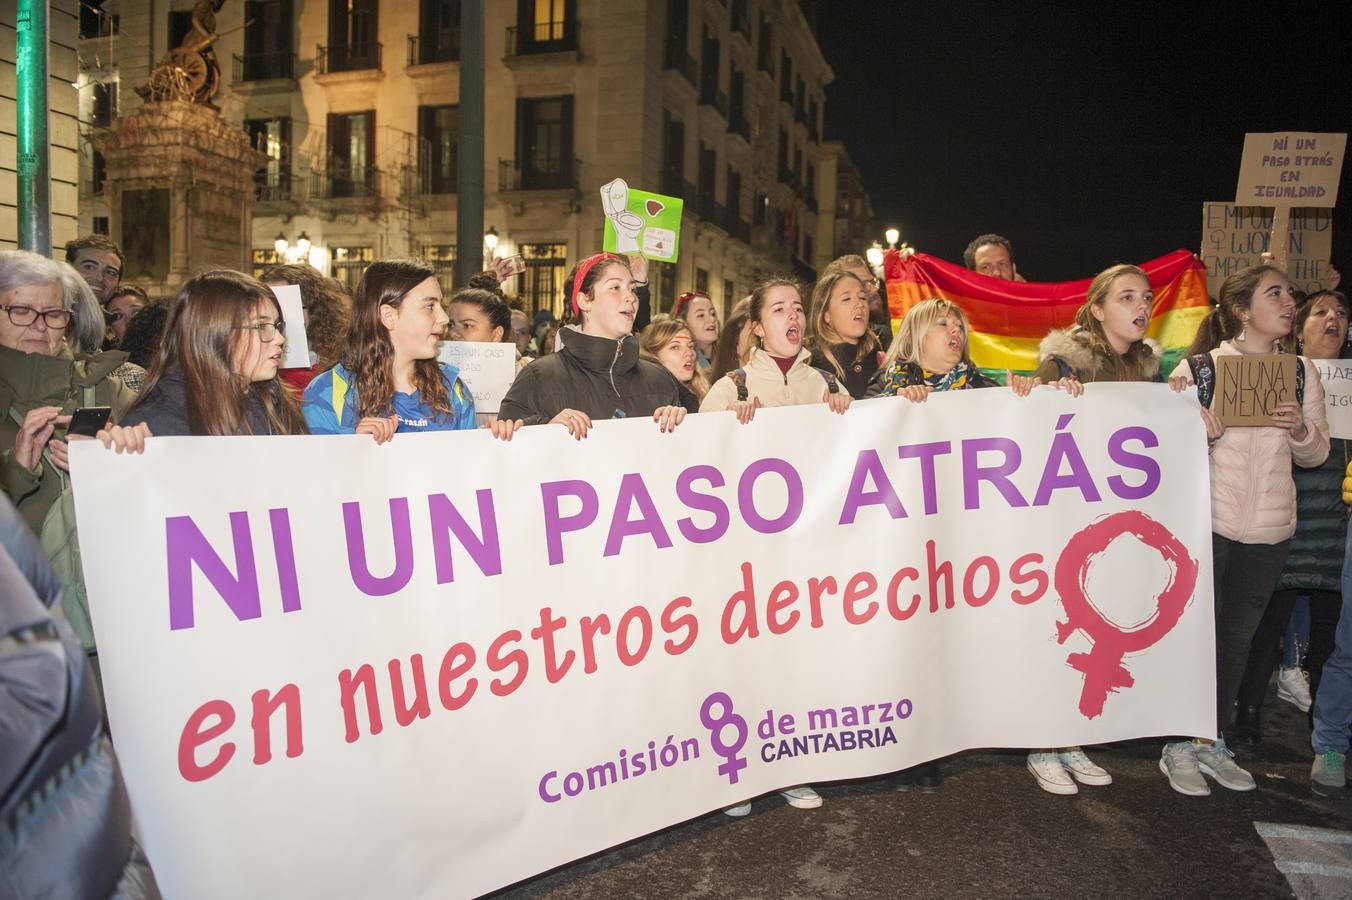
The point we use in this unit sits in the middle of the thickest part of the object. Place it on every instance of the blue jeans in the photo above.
(1297, 633)
(1333, 702)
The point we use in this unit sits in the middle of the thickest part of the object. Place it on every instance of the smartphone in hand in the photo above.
(89, 420)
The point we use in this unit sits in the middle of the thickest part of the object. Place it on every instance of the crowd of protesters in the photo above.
(208, 361)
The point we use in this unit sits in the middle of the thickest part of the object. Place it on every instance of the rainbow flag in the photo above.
(1010, 318)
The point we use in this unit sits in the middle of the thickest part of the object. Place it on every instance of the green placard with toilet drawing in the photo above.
(641, 222)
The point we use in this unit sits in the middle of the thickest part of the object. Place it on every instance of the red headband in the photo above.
(682, 301)
(587, 265)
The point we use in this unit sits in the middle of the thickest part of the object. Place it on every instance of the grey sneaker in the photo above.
(1217, 761)
(1179, 762)
(1327, 778)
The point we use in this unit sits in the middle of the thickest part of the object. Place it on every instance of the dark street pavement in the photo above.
(991, 832)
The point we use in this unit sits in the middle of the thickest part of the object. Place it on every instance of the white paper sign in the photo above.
(1336, 375)
(436, 667)
(297, 354)
(487, 370)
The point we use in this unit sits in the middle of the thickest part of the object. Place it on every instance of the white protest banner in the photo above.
(341, 669)
(1236, 237)
(1290, 168)
(1336, 376)
(297, 354)
(487, 370)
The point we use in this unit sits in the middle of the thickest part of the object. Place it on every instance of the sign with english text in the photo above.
(441, 665)
(1236, 237)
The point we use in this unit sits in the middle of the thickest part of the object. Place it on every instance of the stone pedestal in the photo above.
(181, 191)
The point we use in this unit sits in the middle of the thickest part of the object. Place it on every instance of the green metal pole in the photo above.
(34, 152)
(469, 208)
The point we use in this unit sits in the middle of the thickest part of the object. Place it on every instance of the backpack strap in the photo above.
(832, 382)
(739, 379)
(1065, 368)
(1204, 376)
(1300, 380)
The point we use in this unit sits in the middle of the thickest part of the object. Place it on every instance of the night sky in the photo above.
(1087, 133)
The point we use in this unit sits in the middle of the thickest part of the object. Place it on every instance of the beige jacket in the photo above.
(803, 384)
(1253, 497)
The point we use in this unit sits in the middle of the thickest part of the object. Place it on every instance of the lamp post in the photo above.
(874, 255)
(491, 240)
(892, 235)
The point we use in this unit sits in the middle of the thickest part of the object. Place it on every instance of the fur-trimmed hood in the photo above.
(1071, 345)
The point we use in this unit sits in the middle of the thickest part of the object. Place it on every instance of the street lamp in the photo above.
(874, 255)
(893, 235)
(303, 245)
(280, 243)
(491, 239)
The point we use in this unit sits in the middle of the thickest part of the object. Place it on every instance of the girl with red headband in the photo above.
(696, 310)
(597, 372)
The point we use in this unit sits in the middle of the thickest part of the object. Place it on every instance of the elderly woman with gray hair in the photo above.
(43, 378)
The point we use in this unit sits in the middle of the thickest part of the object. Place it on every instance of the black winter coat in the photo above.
(1315, 561)
(603, 378)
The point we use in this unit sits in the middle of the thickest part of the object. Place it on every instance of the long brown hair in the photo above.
(1130, 366)
(325, 299)
(758, 302)
(1223, 322)
(201, 336)
(725, 351)
(369, 354)
(824, 334)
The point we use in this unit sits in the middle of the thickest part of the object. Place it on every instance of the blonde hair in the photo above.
(824, 335)
(911, 332)
(657, 335)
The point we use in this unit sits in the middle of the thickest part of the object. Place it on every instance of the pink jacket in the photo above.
(1253, 497)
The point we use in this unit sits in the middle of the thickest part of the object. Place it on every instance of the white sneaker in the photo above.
(1050, 774)
(801, 797)
(739, 810)
(1293, 686)
(1217, 761)
(1082, 768)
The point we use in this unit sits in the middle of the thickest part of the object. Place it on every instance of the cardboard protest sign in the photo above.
(297, 354)
(1336, 376)
(438, 666)
(1236, 237)
(1249, 387)
(487, 370)
(641, 222)
(1290, 168)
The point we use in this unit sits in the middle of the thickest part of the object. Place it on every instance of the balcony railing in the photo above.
(541, 174)
(543, 37)
(264, 66)
(677, 58)
(272, 187)
(438, 179)
(348, 57)
(443, 46)
(341, 183)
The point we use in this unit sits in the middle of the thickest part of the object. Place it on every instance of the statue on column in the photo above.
(190, 71)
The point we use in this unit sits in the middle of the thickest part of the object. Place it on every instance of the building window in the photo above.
(100, 225)
(265, 259)
(349, 263)
(544, 26)
(272, 138)
(729, 298)
(765, 58)
(542, 284)
(99, 175)
(352, 151)
(708, 176)
(268, 49)
(105, 103)
(544, 143)
(673, 156)
(785, 77)
(442, 258)
(438, 148)
(180, 23)
(353, 40)
(783, 156)
(734, 188)
(758, 207)
(95, 23)
(702, 280)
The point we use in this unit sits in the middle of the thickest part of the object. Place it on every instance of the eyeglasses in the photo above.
(267, 331)
(23, 316)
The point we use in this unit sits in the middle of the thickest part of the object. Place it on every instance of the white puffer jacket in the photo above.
(802, 384)
(1253, 497)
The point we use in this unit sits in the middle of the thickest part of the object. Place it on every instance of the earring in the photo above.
(1243, 326)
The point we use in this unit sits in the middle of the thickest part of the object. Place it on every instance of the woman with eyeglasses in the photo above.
(216, 372)
(41, 380)
(696, 310)
(389, 380)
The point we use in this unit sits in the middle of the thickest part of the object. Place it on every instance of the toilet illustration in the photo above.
(615, 205)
